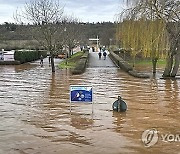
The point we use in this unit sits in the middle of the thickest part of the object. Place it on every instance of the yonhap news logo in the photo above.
(151, 136)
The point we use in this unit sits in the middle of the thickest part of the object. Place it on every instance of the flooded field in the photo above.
(35, 112)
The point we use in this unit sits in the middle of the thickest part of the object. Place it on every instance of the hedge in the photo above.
(28, 55)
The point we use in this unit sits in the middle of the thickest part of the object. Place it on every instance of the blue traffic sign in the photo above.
(81, 93)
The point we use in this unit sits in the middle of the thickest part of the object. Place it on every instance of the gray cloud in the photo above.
(93, 10)
(12, 2)
(85, 10)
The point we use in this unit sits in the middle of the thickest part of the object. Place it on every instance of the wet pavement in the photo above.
(94, 61)
(35, 112)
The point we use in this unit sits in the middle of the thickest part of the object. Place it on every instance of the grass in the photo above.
(160, 62)
(71, 62)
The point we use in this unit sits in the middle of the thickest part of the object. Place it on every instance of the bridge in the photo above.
(94, 61)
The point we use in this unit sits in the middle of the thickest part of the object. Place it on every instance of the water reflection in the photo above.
(119, 121)
(172, 96)
(82, 123)
(23, 67)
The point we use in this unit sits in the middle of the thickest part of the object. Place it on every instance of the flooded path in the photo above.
(35, 112)
(95, 62)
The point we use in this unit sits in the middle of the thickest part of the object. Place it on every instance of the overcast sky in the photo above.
(85, 10)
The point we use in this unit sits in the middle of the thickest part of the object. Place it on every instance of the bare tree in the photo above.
(45, 15)
(71, 33)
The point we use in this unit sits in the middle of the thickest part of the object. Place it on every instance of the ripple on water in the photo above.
(35, 111)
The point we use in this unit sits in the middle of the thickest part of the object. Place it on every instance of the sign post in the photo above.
(95, 39)
(81, 93)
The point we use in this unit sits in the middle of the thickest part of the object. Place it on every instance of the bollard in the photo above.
(119, 105)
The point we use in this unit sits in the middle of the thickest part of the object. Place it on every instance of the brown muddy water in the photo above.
(35, 113)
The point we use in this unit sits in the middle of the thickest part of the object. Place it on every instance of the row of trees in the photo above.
(152, 27)
(51, 28)
(104, 30)
(50, 25)
(147, 38)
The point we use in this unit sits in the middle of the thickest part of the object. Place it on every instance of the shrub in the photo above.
(28, 55)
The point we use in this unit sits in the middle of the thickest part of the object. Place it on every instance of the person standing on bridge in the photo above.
(104, 54)
(100, 54)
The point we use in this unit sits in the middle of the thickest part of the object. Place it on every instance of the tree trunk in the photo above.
(176, 65)
(134, 61)
(169, 64)
(173, 31)
(177, 56)
(154, 62)
(52, 61)
(69, 52)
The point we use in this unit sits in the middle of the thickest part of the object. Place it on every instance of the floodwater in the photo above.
(35, 115)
